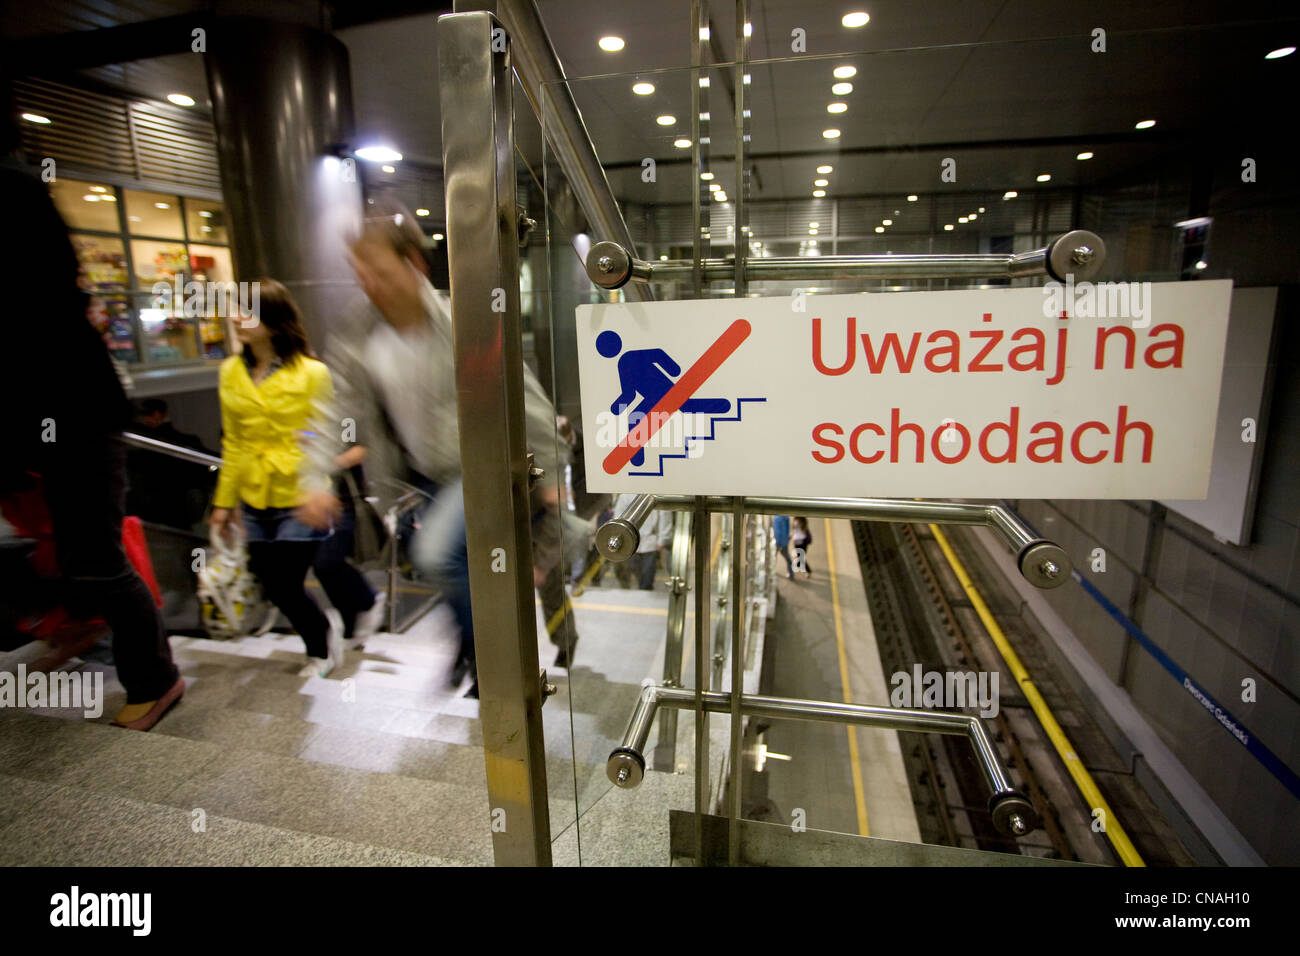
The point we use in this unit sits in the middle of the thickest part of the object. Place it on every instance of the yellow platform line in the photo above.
(1082, 779)
(855, 760)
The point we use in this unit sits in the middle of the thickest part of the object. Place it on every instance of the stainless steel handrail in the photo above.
(174, 451)
(1079, 252)
(1043, 563)
(1012, 812)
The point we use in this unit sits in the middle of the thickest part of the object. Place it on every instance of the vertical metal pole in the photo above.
(479, 169)
(702, 521)
(742, 242)
(665, 759)
(737, 675)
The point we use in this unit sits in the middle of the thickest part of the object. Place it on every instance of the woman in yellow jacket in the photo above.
(270, 396)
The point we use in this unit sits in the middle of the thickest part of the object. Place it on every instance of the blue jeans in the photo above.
(439, 550)
(280, 550)
(278, 524)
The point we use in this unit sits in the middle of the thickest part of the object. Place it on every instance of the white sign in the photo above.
(1054, 392)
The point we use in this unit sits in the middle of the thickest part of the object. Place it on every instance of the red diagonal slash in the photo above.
(682, 389)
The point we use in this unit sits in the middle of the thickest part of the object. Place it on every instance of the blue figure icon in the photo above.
(646, 373)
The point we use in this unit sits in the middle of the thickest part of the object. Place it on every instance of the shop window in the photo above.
(206, 220)
(86, 205)
(212, 264)
(159, 262)
(153, 214)
(104, 277)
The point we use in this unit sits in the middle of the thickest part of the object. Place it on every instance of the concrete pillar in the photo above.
(282, 104)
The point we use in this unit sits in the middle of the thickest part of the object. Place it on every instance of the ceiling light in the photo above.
(880, 229)
(841, 89)
(886, 222)
(706, 176)
(644, 89)
(98, 189)
(948, 227)
(747, 79)
(1044, 177)
(814, 225)
(704, 81)
(663, 258)
(821, 182)
(379, 154)
(388, 169)
(108, 197)
(1193, 223)
(962, 219)
(836, 107)
(825, 169)
(610, 44)
(437, 237)
(1145, 124)
(854, 20)
(162, 205)
(422, 212)
(714, 187)
(818, 193)
(981, 208)
(666, 120)
(704, 35)
(844, 72)
(37, 118)
(205, 213)
(746, 114)
(831, 134)
(812, 232)
(749, 29)
(1279, 53)
(912, 198)
(682, 143)
(1010, 194)
(972, 217)
(133, 218)
(207, 228)
(812, 242)
(720, 196)
(90, 198)
(704, 117)
(1084, 155)
(180, 99)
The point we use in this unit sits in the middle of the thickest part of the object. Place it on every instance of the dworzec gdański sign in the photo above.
(1106, 390)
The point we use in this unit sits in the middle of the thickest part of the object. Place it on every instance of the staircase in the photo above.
(380, 764)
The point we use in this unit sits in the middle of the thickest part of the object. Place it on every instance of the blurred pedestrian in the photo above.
(801, 538)
(781, 533)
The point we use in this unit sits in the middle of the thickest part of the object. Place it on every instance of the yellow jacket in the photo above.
(264, 428)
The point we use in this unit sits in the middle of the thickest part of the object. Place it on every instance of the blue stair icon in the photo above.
(686, 449)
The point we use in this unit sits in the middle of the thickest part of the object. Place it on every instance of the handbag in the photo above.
(230, 597)
(369, 533)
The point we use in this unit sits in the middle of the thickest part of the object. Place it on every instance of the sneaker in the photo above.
(367, 623)
(324, 666)
(317, 667)
(144, 716)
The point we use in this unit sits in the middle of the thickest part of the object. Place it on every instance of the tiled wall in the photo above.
(1222, 612)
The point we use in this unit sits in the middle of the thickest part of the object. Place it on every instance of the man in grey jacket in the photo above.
(395, 408)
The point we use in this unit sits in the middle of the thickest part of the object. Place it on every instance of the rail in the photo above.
(1043, 563)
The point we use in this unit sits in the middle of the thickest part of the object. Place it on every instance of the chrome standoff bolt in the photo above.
(613, 542)
(722, 600)
(622, 776)
(1049, 569)
(548, 690)
(1082, 255)
(605, 264)
(1017, 824)
(718, 658)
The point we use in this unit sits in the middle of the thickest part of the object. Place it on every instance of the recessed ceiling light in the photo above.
(981, 208)
(844, 72)
(388, 169)
(836, 107)
(162, 205)
(704, 117)
(1044, 177)
(610, 44)
(886, 222)
(880, 229)
(818, 193)
(180, 99)
(841, 89)
(706, 176)
(379, 154)
(948, 228)
(825, 169)
(747, 79)
(663, 258)
(437, 237)
(682, 143)
(1084, 155)
(37, 118)
(422, 212)
(821, 182)
(1010, 194)
(962, 219)
(854, 20)
(207, 228)
(912, 198)
(1145, 124)
(666, 120)
(645, 89)
(746, 114)
(704, 33)
(205, 213)
(972, 217)
(749, 29)
(133, 218)
(89, 197)
(108, 197)
(98, 189)
(704, 80)
(831, 133)
(714, 187)
(1279, 53)
(720, 196)
(814, 225)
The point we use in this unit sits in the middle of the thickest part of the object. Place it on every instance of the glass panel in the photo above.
(169, 336)
(153, 214)
(103, 271)
(86, 205)
(158, 262)
(205, 219)
(212, 264)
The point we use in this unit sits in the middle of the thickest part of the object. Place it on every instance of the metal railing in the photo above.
(1042, 562)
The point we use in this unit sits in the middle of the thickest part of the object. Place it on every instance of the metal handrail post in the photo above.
(679, 563)
(475, 81)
